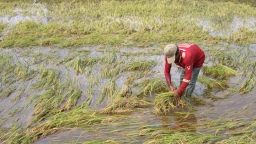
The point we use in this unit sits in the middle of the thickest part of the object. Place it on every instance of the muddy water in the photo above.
(229, 29)
(235, 107)
(126, 131)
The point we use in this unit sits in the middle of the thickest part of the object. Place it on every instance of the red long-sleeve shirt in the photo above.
(191, 56)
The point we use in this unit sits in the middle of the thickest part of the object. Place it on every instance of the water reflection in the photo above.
(181, 121)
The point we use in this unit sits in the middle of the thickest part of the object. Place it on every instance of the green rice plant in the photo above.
(237, 139)
(93, 80)
(110, 58)
(116, 22)
(82, 52)
(174, 136)
(23, 72)
(2, 27)
(40, 57)
(145, 131)
(124, 105)
(65, 90)
(111, 70)
(54, 30)
(149, 86)
(228, 92)
(213, 83)
(15, 111)
(4, 60)
(18, 93)
(8, 78)
(198, 101)
(108, 91)
(78, 117)
(65, 60)
(140, 66)
(22, 35)
(61, 97)
(112, 66)
(7, 75)
(72, 100)
(43, 106)
(125, 91)
(248, 84)
(219, 71)
(243, 34)
(7, 92)
(79, 64)
(49, 41)
(21, 138)
(47, 78)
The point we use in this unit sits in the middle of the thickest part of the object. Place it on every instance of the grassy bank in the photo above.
(140, 23)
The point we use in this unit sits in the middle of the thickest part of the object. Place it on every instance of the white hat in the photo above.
(170, 51)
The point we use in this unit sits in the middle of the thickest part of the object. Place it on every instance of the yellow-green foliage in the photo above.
(79, 64)
(22, 34)
(213, 83)
(164, 102)
(248, 84)
(78, 117)
(141, 65)
(2, 27)
(243, 34)
(124, 105)
(150, 86)
(79, 23)
(219, 71)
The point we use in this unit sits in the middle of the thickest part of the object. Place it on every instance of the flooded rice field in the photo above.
(37, 83)
(75, 72)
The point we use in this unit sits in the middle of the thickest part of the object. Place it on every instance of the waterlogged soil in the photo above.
(236, 107)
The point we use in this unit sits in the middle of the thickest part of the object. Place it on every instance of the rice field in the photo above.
(92, 72)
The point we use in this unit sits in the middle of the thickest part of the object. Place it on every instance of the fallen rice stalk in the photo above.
(124, 105)
(219, 71)
(213, 83)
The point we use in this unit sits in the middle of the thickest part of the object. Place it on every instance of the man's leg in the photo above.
(182, 75)
(191, 86)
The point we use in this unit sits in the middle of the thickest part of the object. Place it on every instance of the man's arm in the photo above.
(188, 74)
(167, 70)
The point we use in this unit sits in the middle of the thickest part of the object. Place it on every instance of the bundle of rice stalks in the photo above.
(219, 71)
(164, 102)
(124, 105)
(213, 83)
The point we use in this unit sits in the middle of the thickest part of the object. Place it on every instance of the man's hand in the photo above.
(176, 98)
(172, 88)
